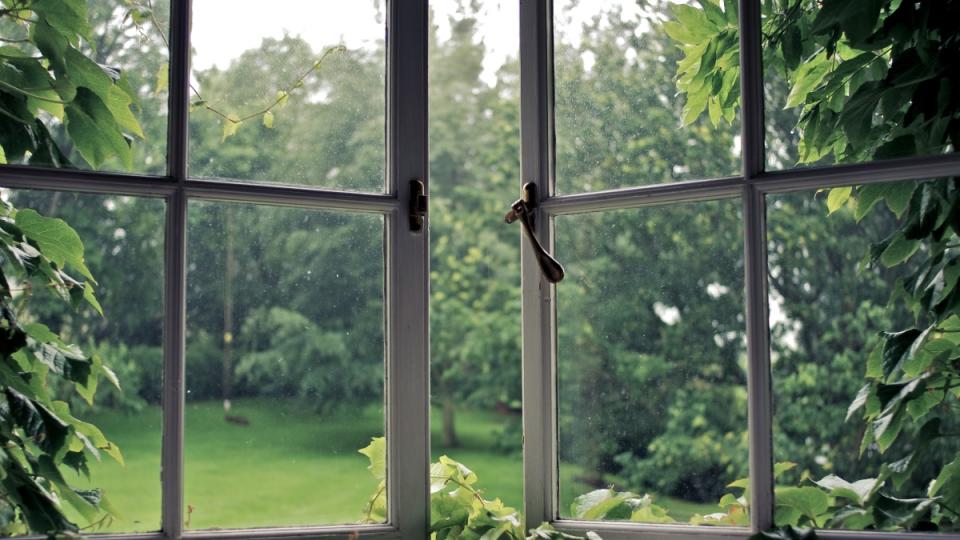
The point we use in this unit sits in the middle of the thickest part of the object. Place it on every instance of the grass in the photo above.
(288, 466)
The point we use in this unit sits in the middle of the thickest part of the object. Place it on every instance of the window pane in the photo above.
(619, 122)
(865, 418)
(100, 98)
(285, 370)
(474, 265)
(651, 360)
(870, 82)
(123, 246)
(296, 95)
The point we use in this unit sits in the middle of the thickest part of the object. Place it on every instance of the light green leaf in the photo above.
(163, 75)
(268, 120)
(376, 452)
(3, 155)
(230, 126)
(808, 77)
(838, 197)
(55, 238)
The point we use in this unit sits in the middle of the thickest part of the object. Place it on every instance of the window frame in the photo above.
(406, 275)
(752, 185)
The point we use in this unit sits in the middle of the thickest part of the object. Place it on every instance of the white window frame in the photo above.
(541, 489)
(407, 270)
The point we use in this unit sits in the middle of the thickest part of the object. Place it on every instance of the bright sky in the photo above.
(223, 29)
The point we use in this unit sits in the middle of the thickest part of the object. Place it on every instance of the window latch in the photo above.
(418, 205)
(522, 210)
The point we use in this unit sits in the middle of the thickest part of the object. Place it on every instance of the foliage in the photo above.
(458, 509)
(871, 80)
(60, 86)
(38, 432)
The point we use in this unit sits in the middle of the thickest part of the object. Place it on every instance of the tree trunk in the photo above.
(229, 273)
(450, 439)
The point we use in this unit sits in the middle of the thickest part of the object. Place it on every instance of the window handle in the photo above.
(522, 210)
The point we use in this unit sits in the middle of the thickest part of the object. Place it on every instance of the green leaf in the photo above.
(55, 239)
(781, 467)
(889, 512)
(810, 501)
(838, 197)
(857, 492)
(3, 156)
(809, 76)
(949, 473)
(898, 196)
(860, 400)
(67, 16)
(268, 120)
(602, 504)
(376, 452)
(95, 131)
(694, 21)
(899, 250)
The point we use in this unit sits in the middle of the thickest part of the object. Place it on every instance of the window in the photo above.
(715, 313)
(699, 288)
(188, 229)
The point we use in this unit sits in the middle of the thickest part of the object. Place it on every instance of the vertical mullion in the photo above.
(760, 402)
(539, 403)
(408, 366)
(175, 239)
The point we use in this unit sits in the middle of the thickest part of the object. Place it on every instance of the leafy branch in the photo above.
(141, 12)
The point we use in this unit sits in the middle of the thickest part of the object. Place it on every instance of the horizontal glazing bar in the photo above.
(289, 196)
(114, 184)
(632, 531)
(917, 168)
(698, 190)
(14, 177)
(378, 532)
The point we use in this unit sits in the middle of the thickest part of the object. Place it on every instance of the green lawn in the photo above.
(287, 467)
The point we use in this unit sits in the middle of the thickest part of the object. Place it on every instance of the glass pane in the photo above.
(296, 95)
(864, 82)
(285, 369)
(98, 100)
(619, 120)
(651, 362)
(123, 244)
(866, 416)
(475, 269)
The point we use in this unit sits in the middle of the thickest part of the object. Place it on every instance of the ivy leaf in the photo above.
(56, 240)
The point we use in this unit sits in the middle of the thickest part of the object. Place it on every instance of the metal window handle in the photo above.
(521, 209)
